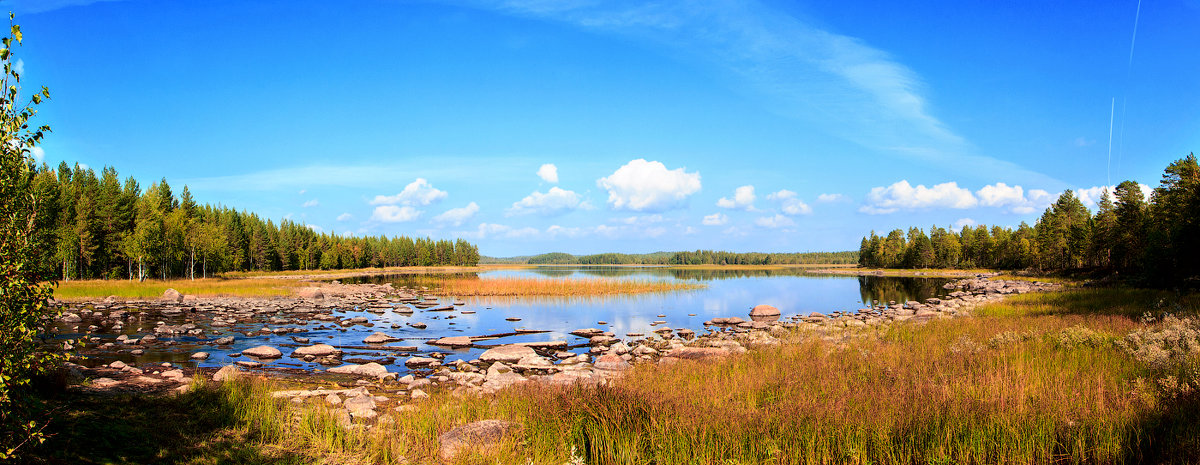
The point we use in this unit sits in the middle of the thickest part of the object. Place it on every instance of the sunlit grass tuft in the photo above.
(207, 287)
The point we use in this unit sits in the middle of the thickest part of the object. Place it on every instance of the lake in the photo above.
(725, 293)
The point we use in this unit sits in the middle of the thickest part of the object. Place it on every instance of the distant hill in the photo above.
(698, 257)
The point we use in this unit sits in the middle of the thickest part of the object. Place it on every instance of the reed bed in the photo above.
(517, 287)
(207, 287)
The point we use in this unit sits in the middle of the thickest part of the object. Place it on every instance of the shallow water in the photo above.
(726, 293)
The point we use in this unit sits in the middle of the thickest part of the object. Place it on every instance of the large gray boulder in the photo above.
(318, 350)
(368, 369)
(511, 353)
(262, 352)
(380, 338)
(480, 435)
(172, 295)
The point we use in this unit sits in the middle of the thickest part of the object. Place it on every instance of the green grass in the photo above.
(149, 289)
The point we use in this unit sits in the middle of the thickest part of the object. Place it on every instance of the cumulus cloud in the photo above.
(963, 222)
(1091, 196)
(642, 185)
(777, 221)
(344, 216)
(902, 195)
(548, 173)
(419, 192)
(743, 199)
(315, 228)
(311, 203)
(715, 219)
(829, 198)
(38, 154)
(789, 203)
(553, 202)
(457, 216)
(395, 213)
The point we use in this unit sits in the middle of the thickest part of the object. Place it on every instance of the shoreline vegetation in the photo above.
(548, 287)
(1081, 375)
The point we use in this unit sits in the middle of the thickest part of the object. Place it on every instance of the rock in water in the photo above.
(510, 353)
(764, 310)
(368, 369)
(263, 352)
(486, 434)
(453, 341)
(380, 338)
(319, 350)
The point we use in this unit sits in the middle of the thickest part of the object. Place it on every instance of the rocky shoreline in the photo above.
(498, 367)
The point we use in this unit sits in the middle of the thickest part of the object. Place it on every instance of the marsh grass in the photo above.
(515, 287)
(149, 289)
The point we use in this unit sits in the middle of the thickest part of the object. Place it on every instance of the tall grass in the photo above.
(513, 287)
(207, 287)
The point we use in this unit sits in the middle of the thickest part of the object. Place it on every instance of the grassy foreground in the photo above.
(1082, 376)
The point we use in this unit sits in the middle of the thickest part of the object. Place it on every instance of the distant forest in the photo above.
(102, 228)
(699, 257)
(1157, 241)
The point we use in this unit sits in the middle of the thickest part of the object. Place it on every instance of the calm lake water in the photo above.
(726, 293)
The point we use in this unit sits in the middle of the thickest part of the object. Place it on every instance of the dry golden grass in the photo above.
(207, 287)
(556, 287)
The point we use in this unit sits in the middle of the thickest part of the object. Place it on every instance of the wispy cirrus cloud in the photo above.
(39, 6)
(836, 82)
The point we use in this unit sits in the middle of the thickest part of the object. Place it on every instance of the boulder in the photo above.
(200, 356)
(484, 435)
(510, 353)
(500, 376)
(368, 369)
(611, 362)
(311, 293)
(697, 353)
(318, 350)
(262, 352)
(361, 406)
(224, 341)
(453, 341)
(764, 310)
(172, 295)
(420, 362)
(380, 338)
(227, 372)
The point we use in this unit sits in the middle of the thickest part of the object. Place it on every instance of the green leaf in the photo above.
(16, 32)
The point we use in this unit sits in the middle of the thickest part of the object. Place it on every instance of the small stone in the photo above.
(380, 338)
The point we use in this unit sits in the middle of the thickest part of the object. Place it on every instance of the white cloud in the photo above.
(789, 203)
(643, 185)
(555, 230)
(777, 221)
(395, 213)
(548, 173)
(311, 203)
(829, 198)
(642, 219)
(492, 230)
(457, 216)
(419, 192)
(302, 191)
(902, 195)
(347, 234)
(84, 166)
(344, 216)
(38, 154)
(315, 228)
(1082, 142)
(715, 219)
(963, 222)
(1091, 196)
(19, 66)
(553, 202)
(743, 198)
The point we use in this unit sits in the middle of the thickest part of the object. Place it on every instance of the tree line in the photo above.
(698, 257)
(1155, 241)
(101, 227)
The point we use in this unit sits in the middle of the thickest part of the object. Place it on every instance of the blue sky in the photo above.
(587, 126)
